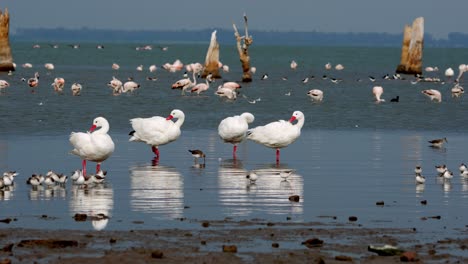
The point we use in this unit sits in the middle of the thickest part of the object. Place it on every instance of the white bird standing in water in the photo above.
(278, 134)
(94, 145)
(420, 179)
(233, 129)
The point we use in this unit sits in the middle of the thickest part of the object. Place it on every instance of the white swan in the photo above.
(233, 129)
(157, 131)
(94, 145)
(278, 134)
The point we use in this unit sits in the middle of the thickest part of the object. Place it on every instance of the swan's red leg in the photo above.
(155, 151)
(84, 167)
(234, 150)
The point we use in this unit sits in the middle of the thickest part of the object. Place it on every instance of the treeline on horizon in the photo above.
(224, 36)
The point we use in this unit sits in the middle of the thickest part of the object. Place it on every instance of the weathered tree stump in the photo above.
(412, 48)
(212, 59)
(6, 59)
(243, 49)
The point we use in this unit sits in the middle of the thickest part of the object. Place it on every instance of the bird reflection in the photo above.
(97, 203)
(157, 189)
(269, 193)
(47, 192)
(6, 193)
(420, 189)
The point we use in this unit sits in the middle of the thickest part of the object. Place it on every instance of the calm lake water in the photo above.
(351, 154)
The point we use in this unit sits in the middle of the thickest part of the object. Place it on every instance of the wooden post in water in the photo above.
(212, 59)
(243, 49)
(412, 48)
(6, 59)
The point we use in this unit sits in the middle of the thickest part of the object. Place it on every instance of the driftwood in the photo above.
(243, 43)
(412, 48)
(212, 59)
(6, 59)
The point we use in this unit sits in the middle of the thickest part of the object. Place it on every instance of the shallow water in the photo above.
(351, 154)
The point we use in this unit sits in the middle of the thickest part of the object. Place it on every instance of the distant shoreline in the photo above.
(295, 38)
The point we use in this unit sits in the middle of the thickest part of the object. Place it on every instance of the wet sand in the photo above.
(227, 241)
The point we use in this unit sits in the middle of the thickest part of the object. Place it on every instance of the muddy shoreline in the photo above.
(254, 241)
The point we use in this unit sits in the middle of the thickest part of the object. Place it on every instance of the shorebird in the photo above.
(420, 179)
(418, 170)
(437, 143)
(99, 177)
(447, 174)
(441, 169)
(196, 153)
(252, 177)
(34, 180)
(464, 174)
(463, 167)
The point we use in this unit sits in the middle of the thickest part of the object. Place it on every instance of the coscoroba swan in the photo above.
(233, 129)
(94, 145)
(157, 131)
(278, 134)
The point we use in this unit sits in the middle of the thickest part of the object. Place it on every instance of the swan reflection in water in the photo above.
(157, 189)
(96, 202)
(269, 193)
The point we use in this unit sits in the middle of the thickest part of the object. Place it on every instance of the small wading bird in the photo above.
(420, 179)
(252, 177)
(438, 143)
(196, 153)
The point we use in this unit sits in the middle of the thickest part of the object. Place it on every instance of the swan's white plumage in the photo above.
(157, 130)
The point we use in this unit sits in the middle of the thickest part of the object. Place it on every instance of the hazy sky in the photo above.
(441, 17)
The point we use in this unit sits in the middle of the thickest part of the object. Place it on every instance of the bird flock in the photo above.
(442, 171)
(96, 145)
